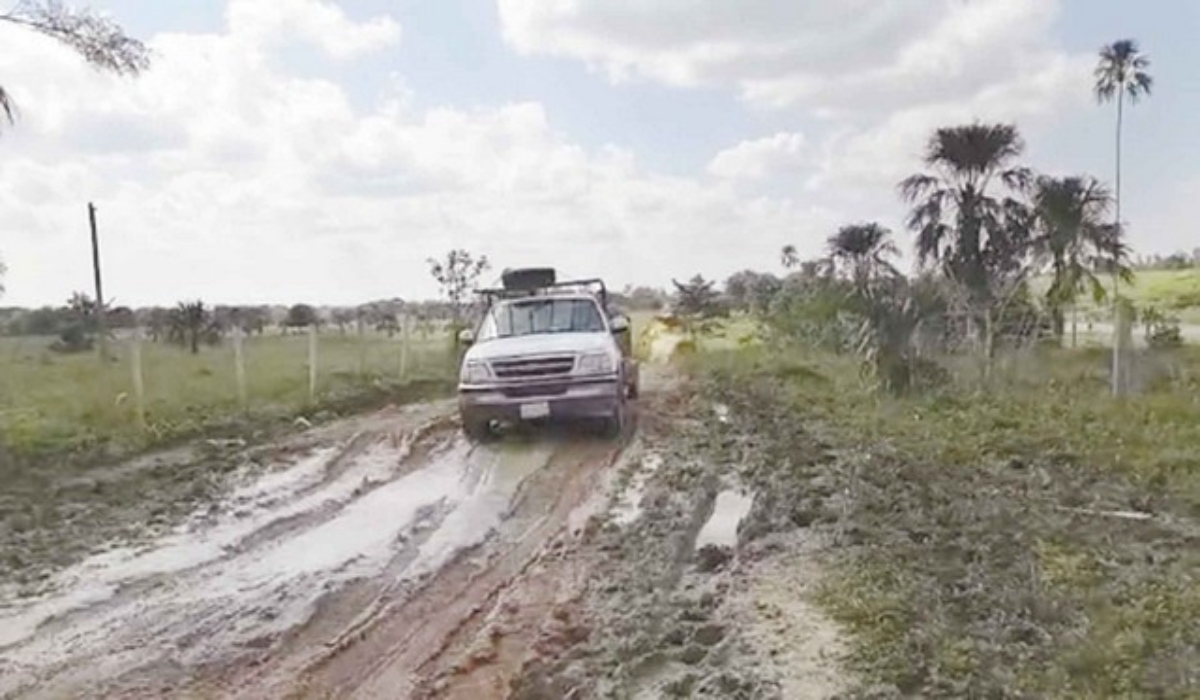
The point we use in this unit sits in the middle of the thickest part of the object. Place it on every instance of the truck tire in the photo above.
(477, 430)
(614, 425)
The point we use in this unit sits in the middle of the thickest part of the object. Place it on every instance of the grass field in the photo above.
(52, 403)
(1174, 291)
(1039, 539)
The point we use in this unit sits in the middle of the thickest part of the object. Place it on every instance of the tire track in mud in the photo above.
(387, 558)
(416, 643)
(189, 603)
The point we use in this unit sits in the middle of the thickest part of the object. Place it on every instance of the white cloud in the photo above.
(782, 153)
(861, 53)
(218, 175)
(262, 22)
(881, 154)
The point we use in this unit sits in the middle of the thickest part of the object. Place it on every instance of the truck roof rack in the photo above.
(593, 286)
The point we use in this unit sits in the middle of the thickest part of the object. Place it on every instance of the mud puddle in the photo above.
(387, 507)
(721, 528)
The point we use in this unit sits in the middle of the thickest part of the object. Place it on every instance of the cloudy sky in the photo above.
(287, 150)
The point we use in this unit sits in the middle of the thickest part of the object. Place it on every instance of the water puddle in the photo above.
(629, 505)
(504, 470)
(721, 527)
(261, 566)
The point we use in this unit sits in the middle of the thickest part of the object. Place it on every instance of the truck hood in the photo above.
(539, 343)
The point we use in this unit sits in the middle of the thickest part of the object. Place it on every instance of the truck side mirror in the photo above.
(466, 337)
(619, 324)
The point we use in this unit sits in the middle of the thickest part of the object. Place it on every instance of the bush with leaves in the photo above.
(78, 332)
(812, 310)
(699, 308)
(1161, 330)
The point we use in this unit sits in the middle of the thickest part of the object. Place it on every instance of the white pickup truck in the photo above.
(546, 350)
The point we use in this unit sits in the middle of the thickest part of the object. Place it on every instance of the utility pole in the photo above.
(101, 326)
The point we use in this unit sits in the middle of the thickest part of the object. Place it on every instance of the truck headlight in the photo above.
(597, 363)
(474, 372)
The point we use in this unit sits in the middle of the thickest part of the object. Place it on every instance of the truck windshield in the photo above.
(527, 317)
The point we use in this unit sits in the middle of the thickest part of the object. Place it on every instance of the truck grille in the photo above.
(534, 390)
(553, 366)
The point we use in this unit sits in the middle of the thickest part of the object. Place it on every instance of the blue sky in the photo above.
(637, 142)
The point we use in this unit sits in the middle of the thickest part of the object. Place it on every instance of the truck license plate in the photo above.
(535, 410)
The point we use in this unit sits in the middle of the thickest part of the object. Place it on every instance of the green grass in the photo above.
(52, 403)
(1174, 291)
(968, 565)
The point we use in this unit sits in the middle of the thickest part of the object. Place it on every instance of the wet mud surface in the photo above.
(387, 557)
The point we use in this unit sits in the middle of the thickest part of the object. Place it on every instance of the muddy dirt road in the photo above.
(386, 557)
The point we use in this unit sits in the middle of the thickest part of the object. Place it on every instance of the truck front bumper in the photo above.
(575, 400)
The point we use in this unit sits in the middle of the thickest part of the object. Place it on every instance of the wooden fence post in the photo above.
(360, 329)
(139, 386)
(312, 363)
(239, 368)
(405, 332)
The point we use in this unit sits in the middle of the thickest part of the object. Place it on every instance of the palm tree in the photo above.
(962, 216)
(101, 41)
(1121, 73)
(8, 108)
(861, 252)
(190, 322)
(1072, 233)
(789, 257)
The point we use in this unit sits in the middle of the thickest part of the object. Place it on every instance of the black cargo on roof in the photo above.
(528, 278)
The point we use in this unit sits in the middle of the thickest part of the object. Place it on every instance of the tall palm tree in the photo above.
(963, 208)
(1121, 73)
(1072, 233)
(862, 252)
(788, 256)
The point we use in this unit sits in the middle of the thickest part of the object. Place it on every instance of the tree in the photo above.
(79, 325)
(300, 316)
(458, 276)
(190, 323)
(645, 298)
(861, 252)
(960, 215)
(738, 288)
(698, 306)
(3, 267)
(157, 321)
(1120, 73)
(1073, 234)
(343, 317)
(100, 40)
(255, 319)
(789, 257)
